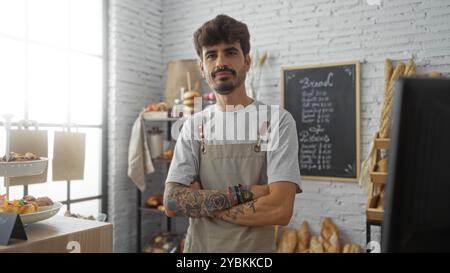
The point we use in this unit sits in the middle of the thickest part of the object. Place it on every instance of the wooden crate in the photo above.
(372, 212)
(381, 143)
(376, 176)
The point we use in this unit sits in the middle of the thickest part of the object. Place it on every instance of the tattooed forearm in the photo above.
(204, 203)
(276, 208)
(238, 211)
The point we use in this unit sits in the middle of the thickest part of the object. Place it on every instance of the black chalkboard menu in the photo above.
(324, 101)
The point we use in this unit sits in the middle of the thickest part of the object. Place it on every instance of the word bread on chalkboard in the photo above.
(324, 101)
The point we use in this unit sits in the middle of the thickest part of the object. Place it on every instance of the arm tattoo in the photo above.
(194, 203)
(237, 211)
(246, 193)
(251, 205)
(205, 203)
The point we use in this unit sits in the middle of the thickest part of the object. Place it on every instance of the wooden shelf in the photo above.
(378, 177)
(373, 214)
(148, 117)
(151, 209)
(381, 143)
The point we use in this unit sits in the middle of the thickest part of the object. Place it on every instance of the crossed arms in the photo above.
(259, 204)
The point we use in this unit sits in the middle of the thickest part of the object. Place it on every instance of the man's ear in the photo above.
(248, 62)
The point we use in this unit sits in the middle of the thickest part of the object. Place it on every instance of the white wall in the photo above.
(295, 33)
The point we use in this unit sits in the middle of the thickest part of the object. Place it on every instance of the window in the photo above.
(52, 66)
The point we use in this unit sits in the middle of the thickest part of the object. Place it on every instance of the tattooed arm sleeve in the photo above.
(180, 199)
(273, 209)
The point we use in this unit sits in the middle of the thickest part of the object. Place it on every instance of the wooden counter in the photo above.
(63, 235)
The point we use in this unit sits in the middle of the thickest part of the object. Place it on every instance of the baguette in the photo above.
(382, 165)
(303, 238)
(288, 241)
(409, 68)
(387, 74)
(316, 245)
(330, 236)
(351, 248)
(380, 204)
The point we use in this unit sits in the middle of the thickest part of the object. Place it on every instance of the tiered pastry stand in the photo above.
(18, 168)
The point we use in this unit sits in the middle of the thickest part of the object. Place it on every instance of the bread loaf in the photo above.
(303, 238)
(330, 236)
(382, 165)
(316, 245)
(380, 204)
(351, 248)
(288, 241)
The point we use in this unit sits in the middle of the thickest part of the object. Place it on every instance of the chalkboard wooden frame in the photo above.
(357, 114)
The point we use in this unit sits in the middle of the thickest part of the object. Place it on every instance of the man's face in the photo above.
(224, 67)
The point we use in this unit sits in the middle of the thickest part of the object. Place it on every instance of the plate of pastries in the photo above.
(28, 156)
(30, 209)
(18, 164)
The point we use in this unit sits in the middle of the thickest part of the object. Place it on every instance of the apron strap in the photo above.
(202, 139)
(263, 131)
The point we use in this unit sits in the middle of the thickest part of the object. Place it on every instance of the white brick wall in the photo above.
(136, 69)
(295, 33)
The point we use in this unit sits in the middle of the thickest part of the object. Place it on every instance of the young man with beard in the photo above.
(233, 190)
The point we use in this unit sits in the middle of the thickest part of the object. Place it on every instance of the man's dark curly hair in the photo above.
(223, 28)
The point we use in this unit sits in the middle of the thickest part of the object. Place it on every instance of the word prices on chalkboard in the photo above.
(324, 100)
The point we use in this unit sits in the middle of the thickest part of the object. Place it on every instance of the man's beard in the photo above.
(225, 88)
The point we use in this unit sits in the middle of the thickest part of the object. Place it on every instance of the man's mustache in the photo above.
(223, 69)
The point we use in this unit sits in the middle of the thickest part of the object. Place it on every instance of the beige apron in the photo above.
(222, 166)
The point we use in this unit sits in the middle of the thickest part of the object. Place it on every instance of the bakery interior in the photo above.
(86, 86)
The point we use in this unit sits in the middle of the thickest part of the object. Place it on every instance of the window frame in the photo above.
(103, 187)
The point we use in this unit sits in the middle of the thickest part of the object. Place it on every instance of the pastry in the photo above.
(20, 157)
(18, 206)
(154, 201)
(27, 208)
(162, 106)
(44, 201)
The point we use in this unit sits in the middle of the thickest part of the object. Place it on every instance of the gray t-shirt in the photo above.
(239, 126)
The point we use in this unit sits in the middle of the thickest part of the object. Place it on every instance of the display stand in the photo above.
(19, 168)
